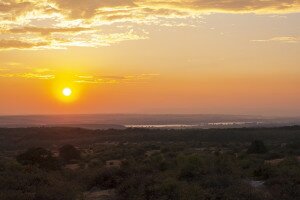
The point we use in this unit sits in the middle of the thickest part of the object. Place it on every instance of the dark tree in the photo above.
(257, 147)
(69, 152)
(40, 157)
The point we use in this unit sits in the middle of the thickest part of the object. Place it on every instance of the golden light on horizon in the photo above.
(67, 92)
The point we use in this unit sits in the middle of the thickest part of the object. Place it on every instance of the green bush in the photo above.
(39, 157)
(257, 147)
(69, 152)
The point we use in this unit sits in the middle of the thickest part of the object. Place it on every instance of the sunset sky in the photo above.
(150, 56)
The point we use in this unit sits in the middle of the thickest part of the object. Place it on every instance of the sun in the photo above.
(67, 92)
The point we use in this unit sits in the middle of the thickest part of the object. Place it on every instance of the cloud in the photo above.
(116, 9)
(64, 40)
(48, 30)
(87, 9)
(225, 6)
(284, 39)
(100, 79)
(41, 73)
(17, 44)
(59, 24)
(42, 70)
(17, 71)
(28, 76)
(108, 39)
(15, 8)
(37, 76)
(3, 69)
(12, 64)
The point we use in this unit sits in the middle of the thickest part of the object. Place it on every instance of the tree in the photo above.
(192, 169)
(69, 152)
(40, 157)
(257, 147)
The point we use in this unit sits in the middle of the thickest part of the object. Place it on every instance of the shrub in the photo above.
(257, 147)
(40, 157)
(69, 152)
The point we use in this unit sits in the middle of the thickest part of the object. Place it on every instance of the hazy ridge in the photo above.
(119, 121)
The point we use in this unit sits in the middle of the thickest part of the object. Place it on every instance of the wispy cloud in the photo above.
(28, 75)
(18, 44)
(283, 39)
(3, 69)
(19, 71)
(48, 74)
(64, 40)
(100, 79)
(47, 31)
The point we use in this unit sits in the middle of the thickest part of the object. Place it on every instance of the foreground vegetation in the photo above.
(146, 164)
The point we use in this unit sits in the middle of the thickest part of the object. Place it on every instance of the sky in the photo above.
(150, 56)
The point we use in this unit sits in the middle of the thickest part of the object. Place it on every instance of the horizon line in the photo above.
(152, 114)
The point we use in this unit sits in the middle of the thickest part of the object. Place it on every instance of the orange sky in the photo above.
(150, 56)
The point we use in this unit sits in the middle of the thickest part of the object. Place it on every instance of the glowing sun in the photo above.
(67, 92)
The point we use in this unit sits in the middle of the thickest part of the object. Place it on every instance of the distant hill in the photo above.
(120, 121)
(50, 137)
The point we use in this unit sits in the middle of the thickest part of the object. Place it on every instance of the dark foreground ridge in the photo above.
(150, 164)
